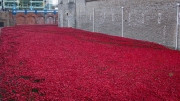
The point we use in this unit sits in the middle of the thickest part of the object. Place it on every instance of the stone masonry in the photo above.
(149, 20)
(67, 13)
(5, 19)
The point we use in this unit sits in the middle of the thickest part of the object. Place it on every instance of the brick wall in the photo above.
(32, 19)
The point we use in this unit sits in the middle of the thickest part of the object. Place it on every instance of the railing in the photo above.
(34, 11)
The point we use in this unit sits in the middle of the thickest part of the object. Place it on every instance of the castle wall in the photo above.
(5, 19)
(149, 20)
(67, 13)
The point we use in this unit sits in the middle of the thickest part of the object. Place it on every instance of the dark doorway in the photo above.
(1, 24)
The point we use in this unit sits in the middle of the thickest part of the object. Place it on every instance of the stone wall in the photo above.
(149, 20)
(67, 13)
(5, 18)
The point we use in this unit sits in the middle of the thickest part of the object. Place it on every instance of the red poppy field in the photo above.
(47, 63)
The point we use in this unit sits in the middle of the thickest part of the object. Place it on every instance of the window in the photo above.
(37, 4)
(10, 3)
(37, 0)
(11, 0)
